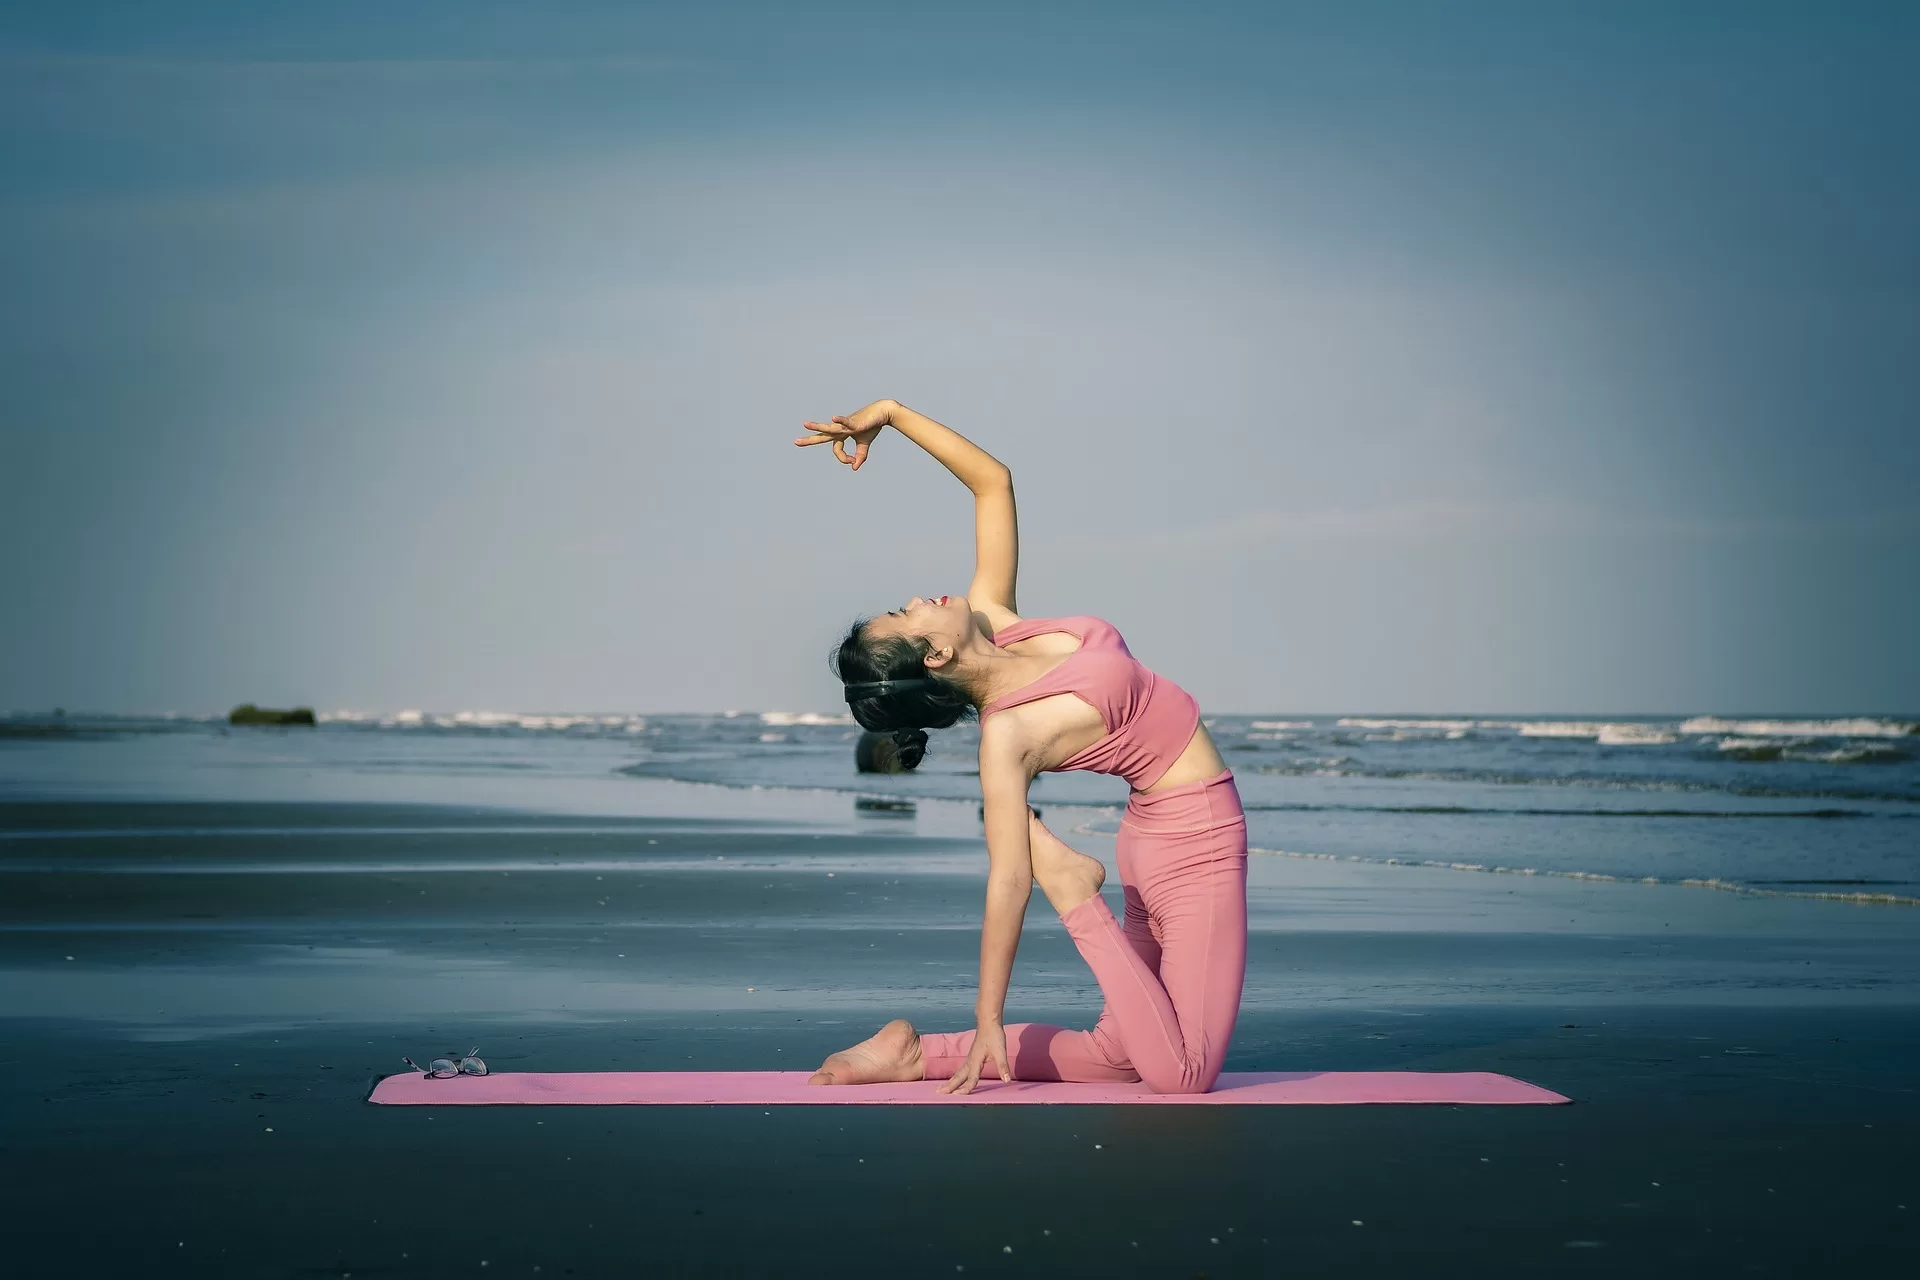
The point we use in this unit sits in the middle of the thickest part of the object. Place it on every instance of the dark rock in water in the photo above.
(884, 804)
(879, 753)
(247, 713)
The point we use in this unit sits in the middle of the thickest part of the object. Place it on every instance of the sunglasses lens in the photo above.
(441, 1068)
(473, 1066)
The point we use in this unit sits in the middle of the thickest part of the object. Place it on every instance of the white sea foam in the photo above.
(1808, 749)
(1860, 753)
(1756, 744)
(1608, 733)
(787, 719)
(1560, 728)
(1635, 735)
(1281, 724)
(413, 718)
(1855, 727)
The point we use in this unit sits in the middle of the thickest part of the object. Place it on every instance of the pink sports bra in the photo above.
(1149, 719)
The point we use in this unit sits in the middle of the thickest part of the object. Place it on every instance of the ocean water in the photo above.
(1824, 808)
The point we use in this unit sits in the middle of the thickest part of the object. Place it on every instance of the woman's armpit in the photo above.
(1044, 733)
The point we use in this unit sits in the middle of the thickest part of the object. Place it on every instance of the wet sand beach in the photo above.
(199, 994)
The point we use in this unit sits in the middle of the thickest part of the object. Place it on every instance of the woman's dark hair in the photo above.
(887, 753)
(917, 701)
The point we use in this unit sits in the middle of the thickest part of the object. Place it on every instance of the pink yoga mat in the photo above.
(790, 1088)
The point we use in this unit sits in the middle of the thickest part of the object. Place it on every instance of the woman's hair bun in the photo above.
(910, 746)
(897, 752)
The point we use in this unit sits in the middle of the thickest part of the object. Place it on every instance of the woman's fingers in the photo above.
(968, 1075)
(838, 433)
(822, 432)
(839, 444)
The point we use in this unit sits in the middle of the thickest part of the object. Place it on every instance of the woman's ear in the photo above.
(937, 658)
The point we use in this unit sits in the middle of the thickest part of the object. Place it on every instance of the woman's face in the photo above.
(944, 622)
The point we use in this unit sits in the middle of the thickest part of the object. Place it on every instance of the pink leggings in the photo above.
(1171, 976)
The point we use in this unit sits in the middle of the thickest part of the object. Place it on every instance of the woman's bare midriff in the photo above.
(1198, 761)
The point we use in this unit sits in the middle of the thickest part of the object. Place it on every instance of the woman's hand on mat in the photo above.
(860, 426)
(989, 1042)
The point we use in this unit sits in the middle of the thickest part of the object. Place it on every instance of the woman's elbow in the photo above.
(994, 476)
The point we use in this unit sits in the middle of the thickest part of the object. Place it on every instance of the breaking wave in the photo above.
(1523, 811)
(484, 721)
(1861, 897)
(1810, 750)
(1347, 767)
(1855, 727)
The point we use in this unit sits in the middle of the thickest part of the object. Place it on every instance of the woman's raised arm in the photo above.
(996, 534)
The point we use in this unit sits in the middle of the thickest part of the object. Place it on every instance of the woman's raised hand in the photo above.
(860, 426)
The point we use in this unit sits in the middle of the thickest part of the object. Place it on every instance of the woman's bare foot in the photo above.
(1067, 876)
(891, 1053)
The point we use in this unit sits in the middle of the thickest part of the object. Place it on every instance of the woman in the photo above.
(1055, 694)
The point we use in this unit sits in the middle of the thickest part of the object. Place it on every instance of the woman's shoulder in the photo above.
(994, 617)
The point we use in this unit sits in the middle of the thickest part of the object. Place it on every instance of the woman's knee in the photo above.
(1179, 1087)
(1183, 1081)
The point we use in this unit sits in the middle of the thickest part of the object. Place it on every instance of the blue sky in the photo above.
(1513, 357)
